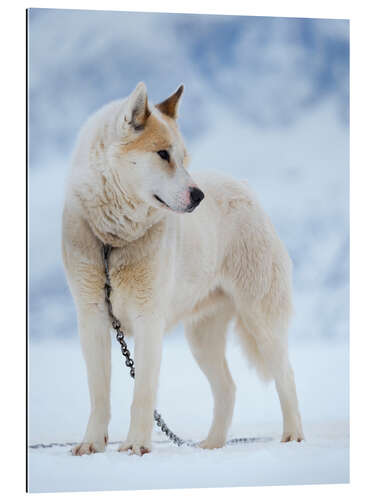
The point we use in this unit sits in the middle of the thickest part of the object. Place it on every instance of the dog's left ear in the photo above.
(138, 107)
(170, 105)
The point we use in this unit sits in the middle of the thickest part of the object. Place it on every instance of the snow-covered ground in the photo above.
(59, 407)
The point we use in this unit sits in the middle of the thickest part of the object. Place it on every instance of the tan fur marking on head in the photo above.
(154, 137)
(174, 127)
(171, 123)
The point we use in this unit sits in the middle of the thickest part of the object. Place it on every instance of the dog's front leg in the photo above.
(96, 347)
(148, 333)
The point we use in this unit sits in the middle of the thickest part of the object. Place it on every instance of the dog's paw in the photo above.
(211, 444)
(87, 448)
(135, 448)
(292, 436)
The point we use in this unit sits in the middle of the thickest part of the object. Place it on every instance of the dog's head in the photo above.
(150, 156)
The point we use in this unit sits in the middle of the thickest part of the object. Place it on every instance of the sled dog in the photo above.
(197, 249)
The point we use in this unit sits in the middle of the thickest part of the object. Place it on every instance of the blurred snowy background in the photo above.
(267, 100)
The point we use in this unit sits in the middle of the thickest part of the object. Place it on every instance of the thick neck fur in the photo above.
(115, 215)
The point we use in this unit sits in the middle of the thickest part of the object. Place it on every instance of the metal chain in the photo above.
(129, 362)
(120, 337)
(230, 442)
(106, 252)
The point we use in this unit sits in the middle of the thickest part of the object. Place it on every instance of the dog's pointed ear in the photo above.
(138, 110)
(170, 105)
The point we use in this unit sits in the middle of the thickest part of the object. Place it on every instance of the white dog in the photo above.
(129, 188)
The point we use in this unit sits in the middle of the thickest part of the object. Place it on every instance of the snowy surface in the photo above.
(59, 409)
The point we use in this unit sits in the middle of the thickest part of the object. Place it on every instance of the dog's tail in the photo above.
(263, 335)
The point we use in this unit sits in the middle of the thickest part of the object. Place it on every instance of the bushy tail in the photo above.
(264, 343)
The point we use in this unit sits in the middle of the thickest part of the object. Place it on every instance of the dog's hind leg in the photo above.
(96, 346)
(207, 340)
(265, 345)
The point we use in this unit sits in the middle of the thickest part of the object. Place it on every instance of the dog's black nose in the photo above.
(196, 196)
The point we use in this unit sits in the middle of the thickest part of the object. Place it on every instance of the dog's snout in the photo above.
(196, 196)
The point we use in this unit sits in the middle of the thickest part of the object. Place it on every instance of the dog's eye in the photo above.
(163, 154)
